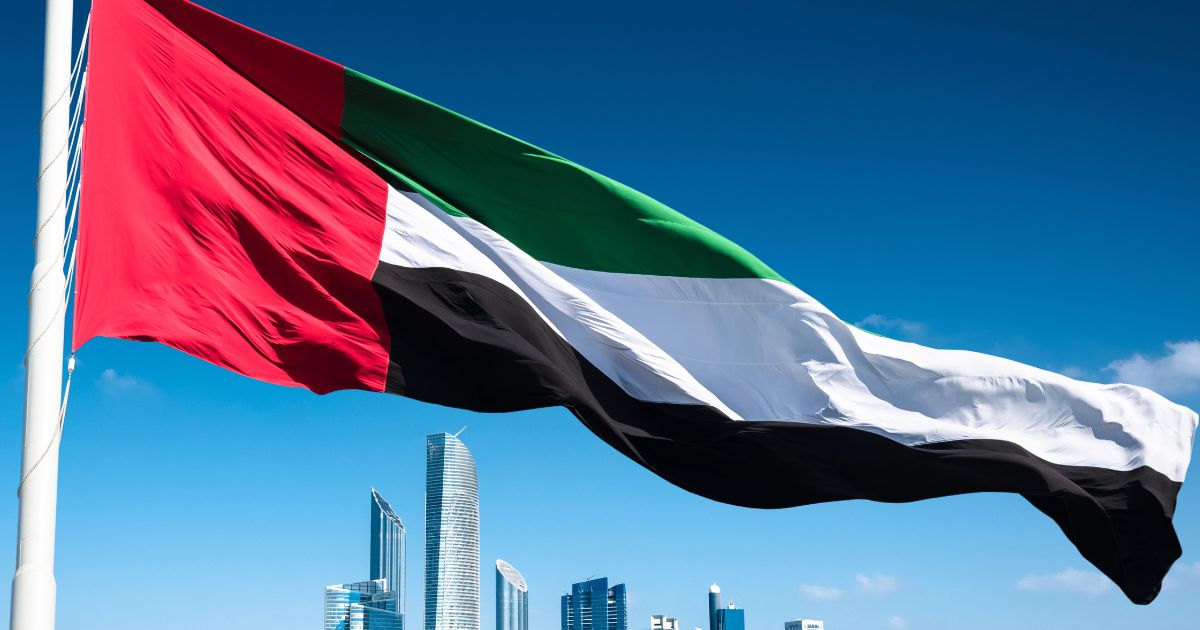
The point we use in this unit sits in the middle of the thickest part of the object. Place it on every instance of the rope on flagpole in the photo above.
(73, 146)
(76, 87)
(66, 294)
(68, 90)
(62, 416)
(70, 271)
(70, 195)
(87, 25)
(62, 410)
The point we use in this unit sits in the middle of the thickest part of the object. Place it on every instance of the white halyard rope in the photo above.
(74, 91)
(62, 416)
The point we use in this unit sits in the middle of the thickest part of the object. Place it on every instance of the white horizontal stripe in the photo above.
(415, 238)
(421, 235)
(764, 350)
(771, 352)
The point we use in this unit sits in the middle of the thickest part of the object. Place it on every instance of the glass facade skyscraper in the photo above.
(377, 603)
(512, 598)
(360, 606)
(592, 605)
(731, 618)
(451, 535)
(387, 553)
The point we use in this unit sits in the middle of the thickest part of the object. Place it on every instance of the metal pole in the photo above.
(33, 593)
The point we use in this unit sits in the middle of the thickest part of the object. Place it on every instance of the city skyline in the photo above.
(379, 602)
(355, 606)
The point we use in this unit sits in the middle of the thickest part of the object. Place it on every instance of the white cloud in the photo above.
(816, 591)
(1089, 582)
(873, 583)
(1183, 575)
(113, 383)
(897, 622)
(877, 583)
(1074, 372)
(883, 323)
(1177, 372)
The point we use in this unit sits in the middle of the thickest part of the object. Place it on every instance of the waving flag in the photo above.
(301, 223)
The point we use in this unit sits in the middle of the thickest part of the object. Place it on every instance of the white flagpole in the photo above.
(33, 593)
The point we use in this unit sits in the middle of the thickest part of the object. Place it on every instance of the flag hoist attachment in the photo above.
(61, 128)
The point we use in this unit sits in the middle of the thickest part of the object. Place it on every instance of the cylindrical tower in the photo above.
(714, 604)
(512, 598)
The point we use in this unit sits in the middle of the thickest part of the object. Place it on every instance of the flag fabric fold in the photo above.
(301, 223)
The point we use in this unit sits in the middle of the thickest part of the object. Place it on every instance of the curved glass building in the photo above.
(387, 553)
(451, 535)
(359, 606)
(512, 598)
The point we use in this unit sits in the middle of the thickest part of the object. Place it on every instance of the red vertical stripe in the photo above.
(309, 85)
(216, 220)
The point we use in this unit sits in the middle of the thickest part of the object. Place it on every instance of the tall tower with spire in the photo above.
(451, 535)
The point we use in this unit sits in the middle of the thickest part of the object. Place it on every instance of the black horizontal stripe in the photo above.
(467, 341)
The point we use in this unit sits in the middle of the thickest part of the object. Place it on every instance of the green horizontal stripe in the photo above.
(553, 209)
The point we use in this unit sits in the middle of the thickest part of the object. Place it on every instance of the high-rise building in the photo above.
(512, 598)
(360, 606)
(804, 624)
(714, 604)
(731, 618)
(378, 603)
(592, 605)
(387, 552)
(663, 622)
(451, 535)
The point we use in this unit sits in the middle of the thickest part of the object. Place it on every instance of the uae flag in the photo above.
(301, 223)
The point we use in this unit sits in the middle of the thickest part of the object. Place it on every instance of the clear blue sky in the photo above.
(1016, 178)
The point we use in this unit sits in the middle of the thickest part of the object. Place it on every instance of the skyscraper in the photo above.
(451, 535)
(592, 605)
(360, 606)
(714, 604)
(512, 598)
(731, 618)
(387, 552)
(378, 603)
